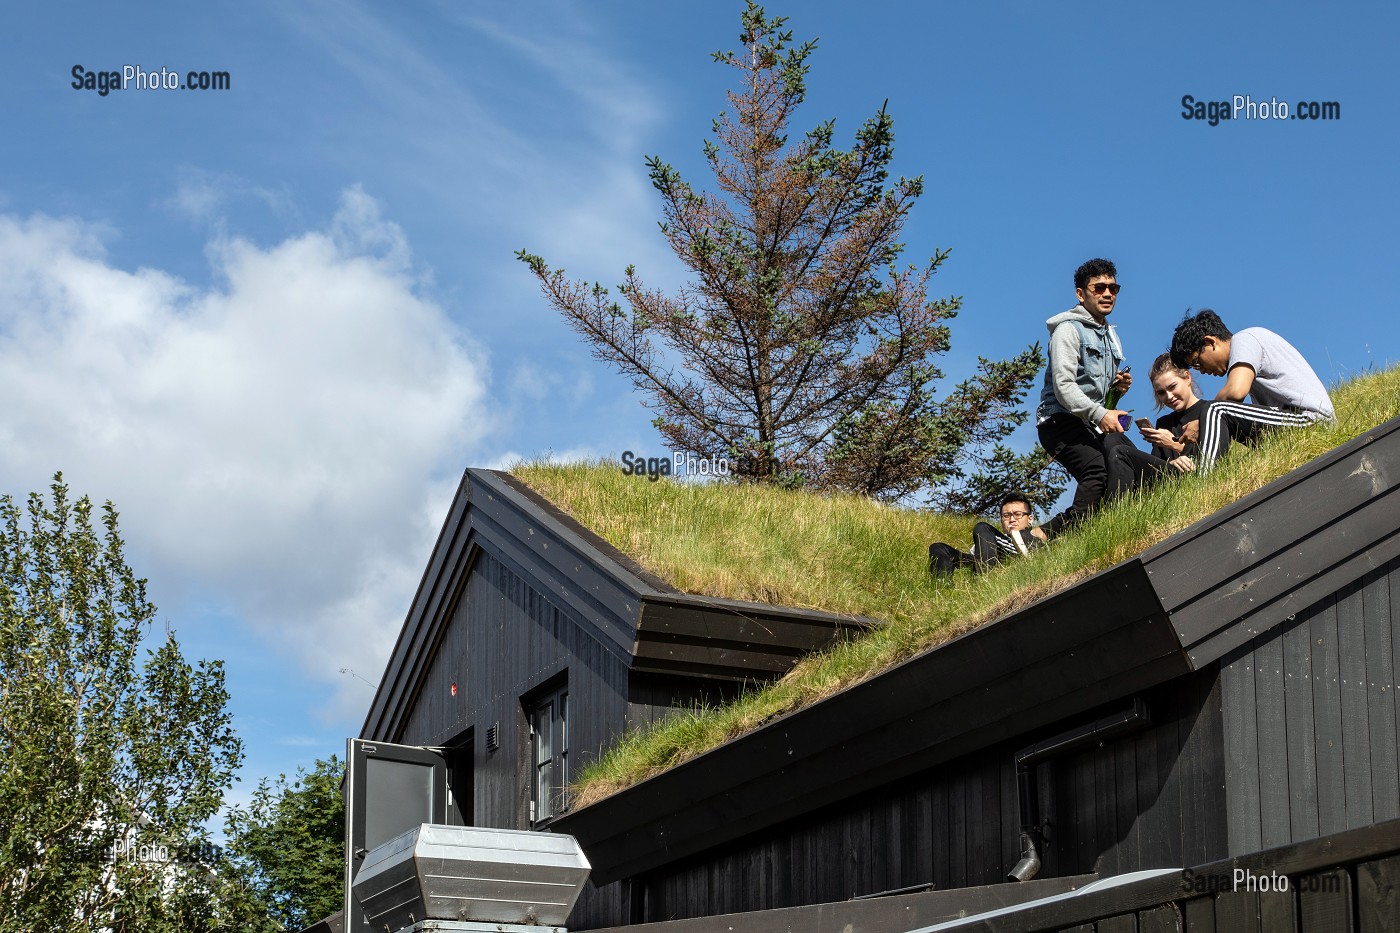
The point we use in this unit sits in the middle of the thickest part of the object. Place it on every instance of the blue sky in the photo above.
(274, 323)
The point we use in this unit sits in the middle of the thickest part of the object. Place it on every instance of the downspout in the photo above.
(1099, 732)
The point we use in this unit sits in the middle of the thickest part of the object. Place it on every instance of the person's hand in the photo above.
(1122, 382)
(1190, 433)
(1160, 437)
(1110, 424)
(1183, 464)
(1039, 534)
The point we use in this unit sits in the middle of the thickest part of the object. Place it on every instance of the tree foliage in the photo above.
(112, 755)
(802, 349)
(289, 843)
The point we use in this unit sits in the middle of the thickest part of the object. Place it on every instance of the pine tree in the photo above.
(802, 350)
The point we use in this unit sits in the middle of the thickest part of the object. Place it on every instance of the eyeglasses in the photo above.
(1006, 515)
(1098, 288)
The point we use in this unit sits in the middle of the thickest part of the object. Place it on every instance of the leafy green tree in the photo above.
(802, 349)
(110, 762)
(289, 843)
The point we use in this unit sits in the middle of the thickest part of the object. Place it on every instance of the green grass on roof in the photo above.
(851, 555)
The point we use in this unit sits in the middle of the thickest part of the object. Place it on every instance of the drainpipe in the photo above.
(1099, 732)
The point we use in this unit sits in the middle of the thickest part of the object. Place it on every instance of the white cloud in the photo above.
(206, 196)
(283, 443)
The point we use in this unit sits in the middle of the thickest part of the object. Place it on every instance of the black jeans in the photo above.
(1104, 466)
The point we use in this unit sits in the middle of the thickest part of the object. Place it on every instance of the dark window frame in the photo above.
(547, 718)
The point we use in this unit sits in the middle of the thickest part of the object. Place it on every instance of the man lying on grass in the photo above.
(989, 545)
(1258, 363)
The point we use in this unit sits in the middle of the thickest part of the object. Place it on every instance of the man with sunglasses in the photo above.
(1075, 422)
(989, 545)
(1257, 363)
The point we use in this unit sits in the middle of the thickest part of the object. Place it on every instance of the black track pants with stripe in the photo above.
(1226, 421)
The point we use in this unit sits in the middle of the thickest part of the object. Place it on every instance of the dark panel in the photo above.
(1105, 811)
(1199, 915)
(1127, 854)
(1201, 732)
(1395, 641)
(519, 640)
(1127, 923)
(1255, 560)
(1324, 902)
(1159, 806)
(1302, 744)
(874, 915)
(1011, 822)
(1237, 912)
(1235, 539)
(1356, 727)
(1272, 728)
(1304, 864)
(653, 697)
(1380, 694)
(1378, 895)
(1071, 652)
(957, 828)
(1241, 718)
(984, 830)
(1278, 912)
(1307, 593)
(1164, 919)
(939, 836)
(1327, 720)
(962, 819)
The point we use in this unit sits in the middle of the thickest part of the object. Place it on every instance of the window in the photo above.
(549, 747)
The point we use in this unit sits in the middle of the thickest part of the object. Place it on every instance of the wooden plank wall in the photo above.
(1150, 800)
(1359, 897)
(1348, 882)
(1144, 800)
(504, 641)
(1311, 718)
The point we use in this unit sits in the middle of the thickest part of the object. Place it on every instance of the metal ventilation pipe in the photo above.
(1098, 732)
(466, 878)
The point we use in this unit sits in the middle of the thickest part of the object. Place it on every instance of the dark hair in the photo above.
(1094, 267)
(1190, 335)
(1011, 497)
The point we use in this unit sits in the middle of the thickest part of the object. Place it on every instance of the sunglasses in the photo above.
(1098, 288)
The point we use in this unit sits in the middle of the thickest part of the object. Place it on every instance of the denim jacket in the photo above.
(1084, 357)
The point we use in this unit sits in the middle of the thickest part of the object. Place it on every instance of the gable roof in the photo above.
(650, 625)
(1176, 608)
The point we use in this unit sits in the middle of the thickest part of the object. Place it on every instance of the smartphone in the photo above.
(1143, 424)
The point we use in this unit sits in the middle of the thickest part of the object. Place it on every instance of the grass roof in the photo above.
(849, 554)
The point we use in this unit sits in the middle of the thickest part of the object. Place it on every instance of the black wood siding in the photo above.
(1344, 883)
(1311, 719)
(505, 640)
(1151, 799)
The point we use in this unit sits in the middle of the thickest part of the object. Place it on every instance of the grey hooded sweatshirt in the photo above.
(1084, 357)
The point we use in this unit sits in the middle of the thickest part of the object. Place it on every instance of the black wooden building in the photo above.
(1229, 690)
(531, 644)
